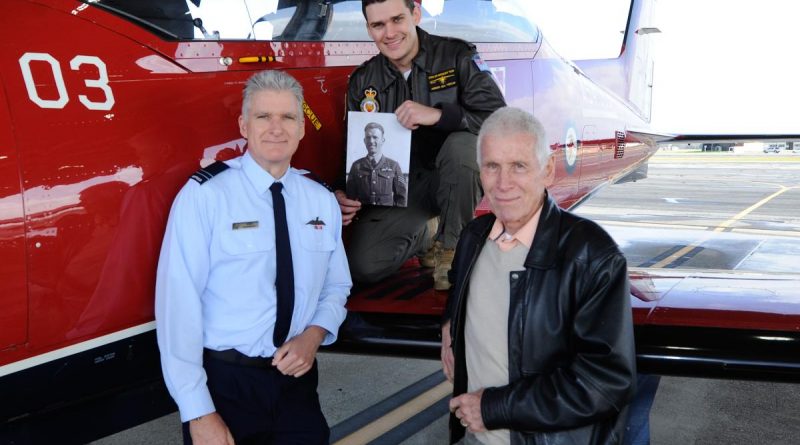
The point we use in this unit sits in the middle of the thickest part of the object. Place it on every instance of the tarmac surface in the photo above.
(737, 212)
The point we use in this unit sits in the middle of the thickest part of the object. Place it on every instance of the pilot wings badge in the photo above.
(369, 103)
(317, 223)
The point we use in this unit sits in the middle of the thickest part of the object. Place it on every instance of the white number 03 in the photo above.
(100, 83)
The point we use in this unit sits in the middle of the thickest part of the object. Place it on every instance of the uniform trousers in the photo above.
(262, 406)
(381, 239)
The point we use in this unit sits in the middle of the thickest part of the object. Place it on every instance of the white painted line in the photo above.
(646, 224)
(76, 348)
(789, 233)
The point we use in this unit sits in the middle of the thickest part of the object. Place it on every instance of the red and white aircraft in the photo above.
(108, 106)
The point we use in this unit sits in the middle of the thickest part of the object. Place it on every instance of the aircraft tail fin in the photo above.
(630, 75)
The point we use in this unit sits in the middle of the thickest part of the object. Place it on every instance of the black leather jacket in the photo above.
(447, 74)
(570, 344)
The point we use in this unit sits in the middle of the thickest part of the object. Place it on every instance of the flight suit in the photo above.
(381, 184)
(447, 74)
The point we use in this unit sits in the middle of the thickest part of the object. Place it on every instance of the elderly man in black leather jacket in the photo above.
(538, 337)
(441, 89)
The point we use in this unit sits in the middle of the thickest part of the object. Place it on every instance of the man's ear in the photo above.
(550, 171)
(242, 127)
(416, 14)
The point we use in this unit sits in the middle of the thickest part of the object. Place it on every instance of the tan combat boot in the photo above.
(429, 259)
(444, 262)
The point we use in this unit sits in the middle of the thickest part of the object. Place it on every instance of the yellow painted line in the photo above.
(718, 229)
(678, 254)
(746, 211)
(380, 426)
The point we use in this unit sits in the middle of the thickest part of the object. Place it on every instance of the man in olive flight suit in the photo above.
(442, 90)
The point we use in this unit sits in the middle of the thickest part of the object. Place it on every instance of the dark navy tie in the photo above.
(284, 273)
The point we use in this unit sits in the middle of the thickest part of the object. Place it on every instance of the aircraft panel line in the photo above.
(749, 254)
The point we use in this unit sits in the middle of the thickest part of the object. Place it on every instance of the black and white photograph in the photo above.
(378, 153)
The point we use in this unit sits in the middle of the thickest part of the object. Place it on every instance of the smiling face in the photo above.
(392, 27)
(513, 179)
(273, 129)
(373, 140)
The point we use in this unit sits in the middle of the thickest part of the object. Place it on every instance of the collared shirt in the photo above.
(375, 159)
(506, 241)
(215, 285)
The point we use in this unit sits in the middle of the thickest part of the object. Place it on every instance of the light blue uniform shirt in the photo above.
(215, 286)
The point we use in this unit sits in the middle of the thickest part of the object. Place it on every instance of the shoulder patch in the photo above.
(482, 66)
(204, 174)
(316, 179)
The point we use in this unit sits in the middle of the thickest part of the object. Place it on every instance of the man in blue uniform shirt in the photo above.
(238, 341)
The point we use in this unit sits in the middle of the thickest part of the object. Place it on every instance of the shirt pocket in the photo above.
(247, 240)
(384, 180)
(316, 235)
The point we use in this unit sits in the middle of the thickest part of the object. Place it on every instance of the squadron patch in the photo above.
(483, 66)
(440, 81)
(369, 103)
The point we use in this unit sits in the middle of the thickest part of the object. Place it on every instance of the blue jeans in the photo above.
(637, 431)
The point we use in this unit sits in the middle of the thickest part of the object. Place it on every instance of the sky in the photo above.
(721, 66)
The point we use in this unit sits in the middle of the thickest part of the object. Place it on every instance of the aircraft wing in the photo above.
(717, 323)
(712, 324)
(729, 138)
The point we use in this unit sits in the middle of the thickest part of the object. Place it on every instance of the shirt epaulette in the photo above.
(204, 174)
(317, 179)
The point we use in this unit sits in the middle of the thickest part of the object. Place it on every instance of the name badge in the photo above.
(245, 225)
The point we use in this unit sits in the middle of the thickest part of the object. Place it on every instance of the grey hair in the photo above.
(372, 125)
(272, 80)
(510, 120)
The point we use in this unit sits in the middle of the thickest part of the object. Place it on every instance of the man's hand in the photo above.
(348, 206)
(411, 115)
(447, 353)
(467, 407)
(296, 356)
(210, 430)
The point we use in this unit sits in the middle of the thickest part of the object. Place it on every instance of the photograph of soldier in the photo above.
(376, 179)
